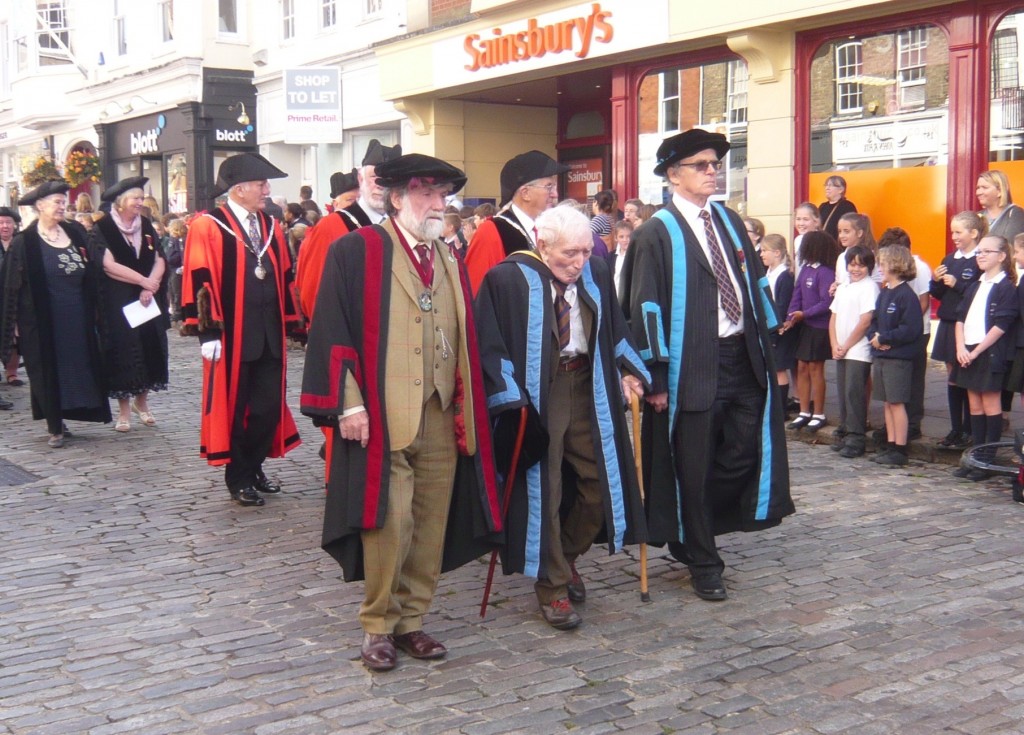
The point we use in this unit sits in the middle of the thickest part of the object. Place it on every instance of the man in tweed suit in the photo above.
(392, 364)
(715, 450)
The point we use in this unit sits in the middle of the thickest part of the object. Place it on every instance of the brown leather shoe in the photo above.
(577, 590)
(378, 652)
(560, 615)
(420, 645)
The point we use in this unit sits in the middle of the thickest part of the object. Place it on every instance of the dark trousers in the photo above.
(257, 414)
(571, 440)
(919, 365)
(852, 386)
(717, 453)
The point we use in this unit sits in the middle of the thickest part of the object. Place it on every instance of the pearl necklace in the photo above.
(51, 238)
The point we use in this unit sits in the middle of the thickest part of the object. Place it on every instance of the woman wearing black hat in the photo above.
(136, 357)
(10, 220)
(50, 287)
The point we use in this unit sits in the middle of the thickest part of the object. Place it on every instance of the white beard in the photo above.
(425, 231)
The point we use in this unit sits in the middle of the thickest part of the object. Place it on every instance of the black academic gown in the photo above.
(516, 321)
(672, 298)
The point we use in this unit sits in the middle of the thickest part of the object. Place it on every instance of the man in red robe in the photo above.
(236, 298)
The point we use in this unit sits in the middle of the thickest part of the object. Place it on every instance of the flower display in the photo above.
(38, 170)
(82, 166)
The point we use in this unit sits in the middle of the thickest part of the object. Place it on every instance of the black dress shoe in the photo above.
(709, 587)
(378, 652)
(265, 485)
(247, 496)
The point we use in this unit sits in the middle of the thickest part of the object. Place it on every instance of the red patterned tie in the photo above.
(562, 311)
(423, 251)
(730, 302)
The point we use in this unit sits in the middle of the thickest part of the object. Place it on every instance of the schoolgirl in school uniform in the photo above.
(775, 256)
(984, 342)
(950, 282)
(810, 308)
(854, 229)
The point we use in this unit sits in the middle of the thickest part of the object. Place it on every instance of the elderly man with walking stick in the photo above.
(553, 339)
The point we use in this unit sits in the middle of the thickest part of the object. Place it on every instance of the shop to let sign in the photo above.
(312, 105)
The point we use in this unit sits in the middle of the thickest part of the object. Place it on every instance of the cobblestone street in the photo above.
(136, 598)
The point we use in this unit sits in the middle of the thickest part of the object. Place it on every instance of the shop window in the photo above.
(328, 13)
(177, 183)
(912, 44)
(1006, 129)
(166, 8)
(227, 16)
(880, 100)
(710, 96)
(849, 92)
(287, 19)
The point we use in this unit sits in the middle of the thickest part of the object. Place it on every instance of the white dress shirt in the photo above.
(974, 324)
(691, 213)
(577, 336)
(375, 217)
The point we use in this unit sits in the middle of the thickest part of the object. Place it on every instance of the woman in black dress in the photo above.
(50, 294)
(136, 357)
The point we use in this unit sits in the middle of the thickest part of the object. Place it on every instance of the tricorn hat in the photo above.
(686, 144)
(113, 192)
(45, 189)
(377, 154)
(524, 168)
(12, 213)
(245, 167)
(340, 182)
(400, 171)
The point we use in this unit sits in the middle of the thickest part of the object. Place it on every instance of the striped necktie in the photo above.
(730, 302)
(562, 311)
(254, 232)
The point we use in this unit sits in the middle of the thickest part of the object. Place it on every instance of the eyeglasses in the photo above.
(979, 251)
(549, 187)
(702, 166)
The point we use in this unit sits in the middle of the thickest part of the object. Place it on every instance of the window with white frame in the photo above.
(227, 16)
(5, 60)
(120, 39)
(911, 48)
(849, 68)
(373, 8)
(166, 8)
(287, 19)
(54, 34)
(328, 13)
(738, 77)
(669, 94)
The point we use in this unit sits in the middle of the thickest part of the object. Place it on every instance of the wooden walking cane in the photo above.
(509, 484)
(634, 407)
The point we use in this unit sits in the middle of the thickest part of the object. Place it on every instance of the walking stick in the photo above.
(634, 407)
(509, 483)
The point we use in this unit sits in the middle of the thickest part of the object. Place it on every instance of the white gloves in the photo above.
(211, 350)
